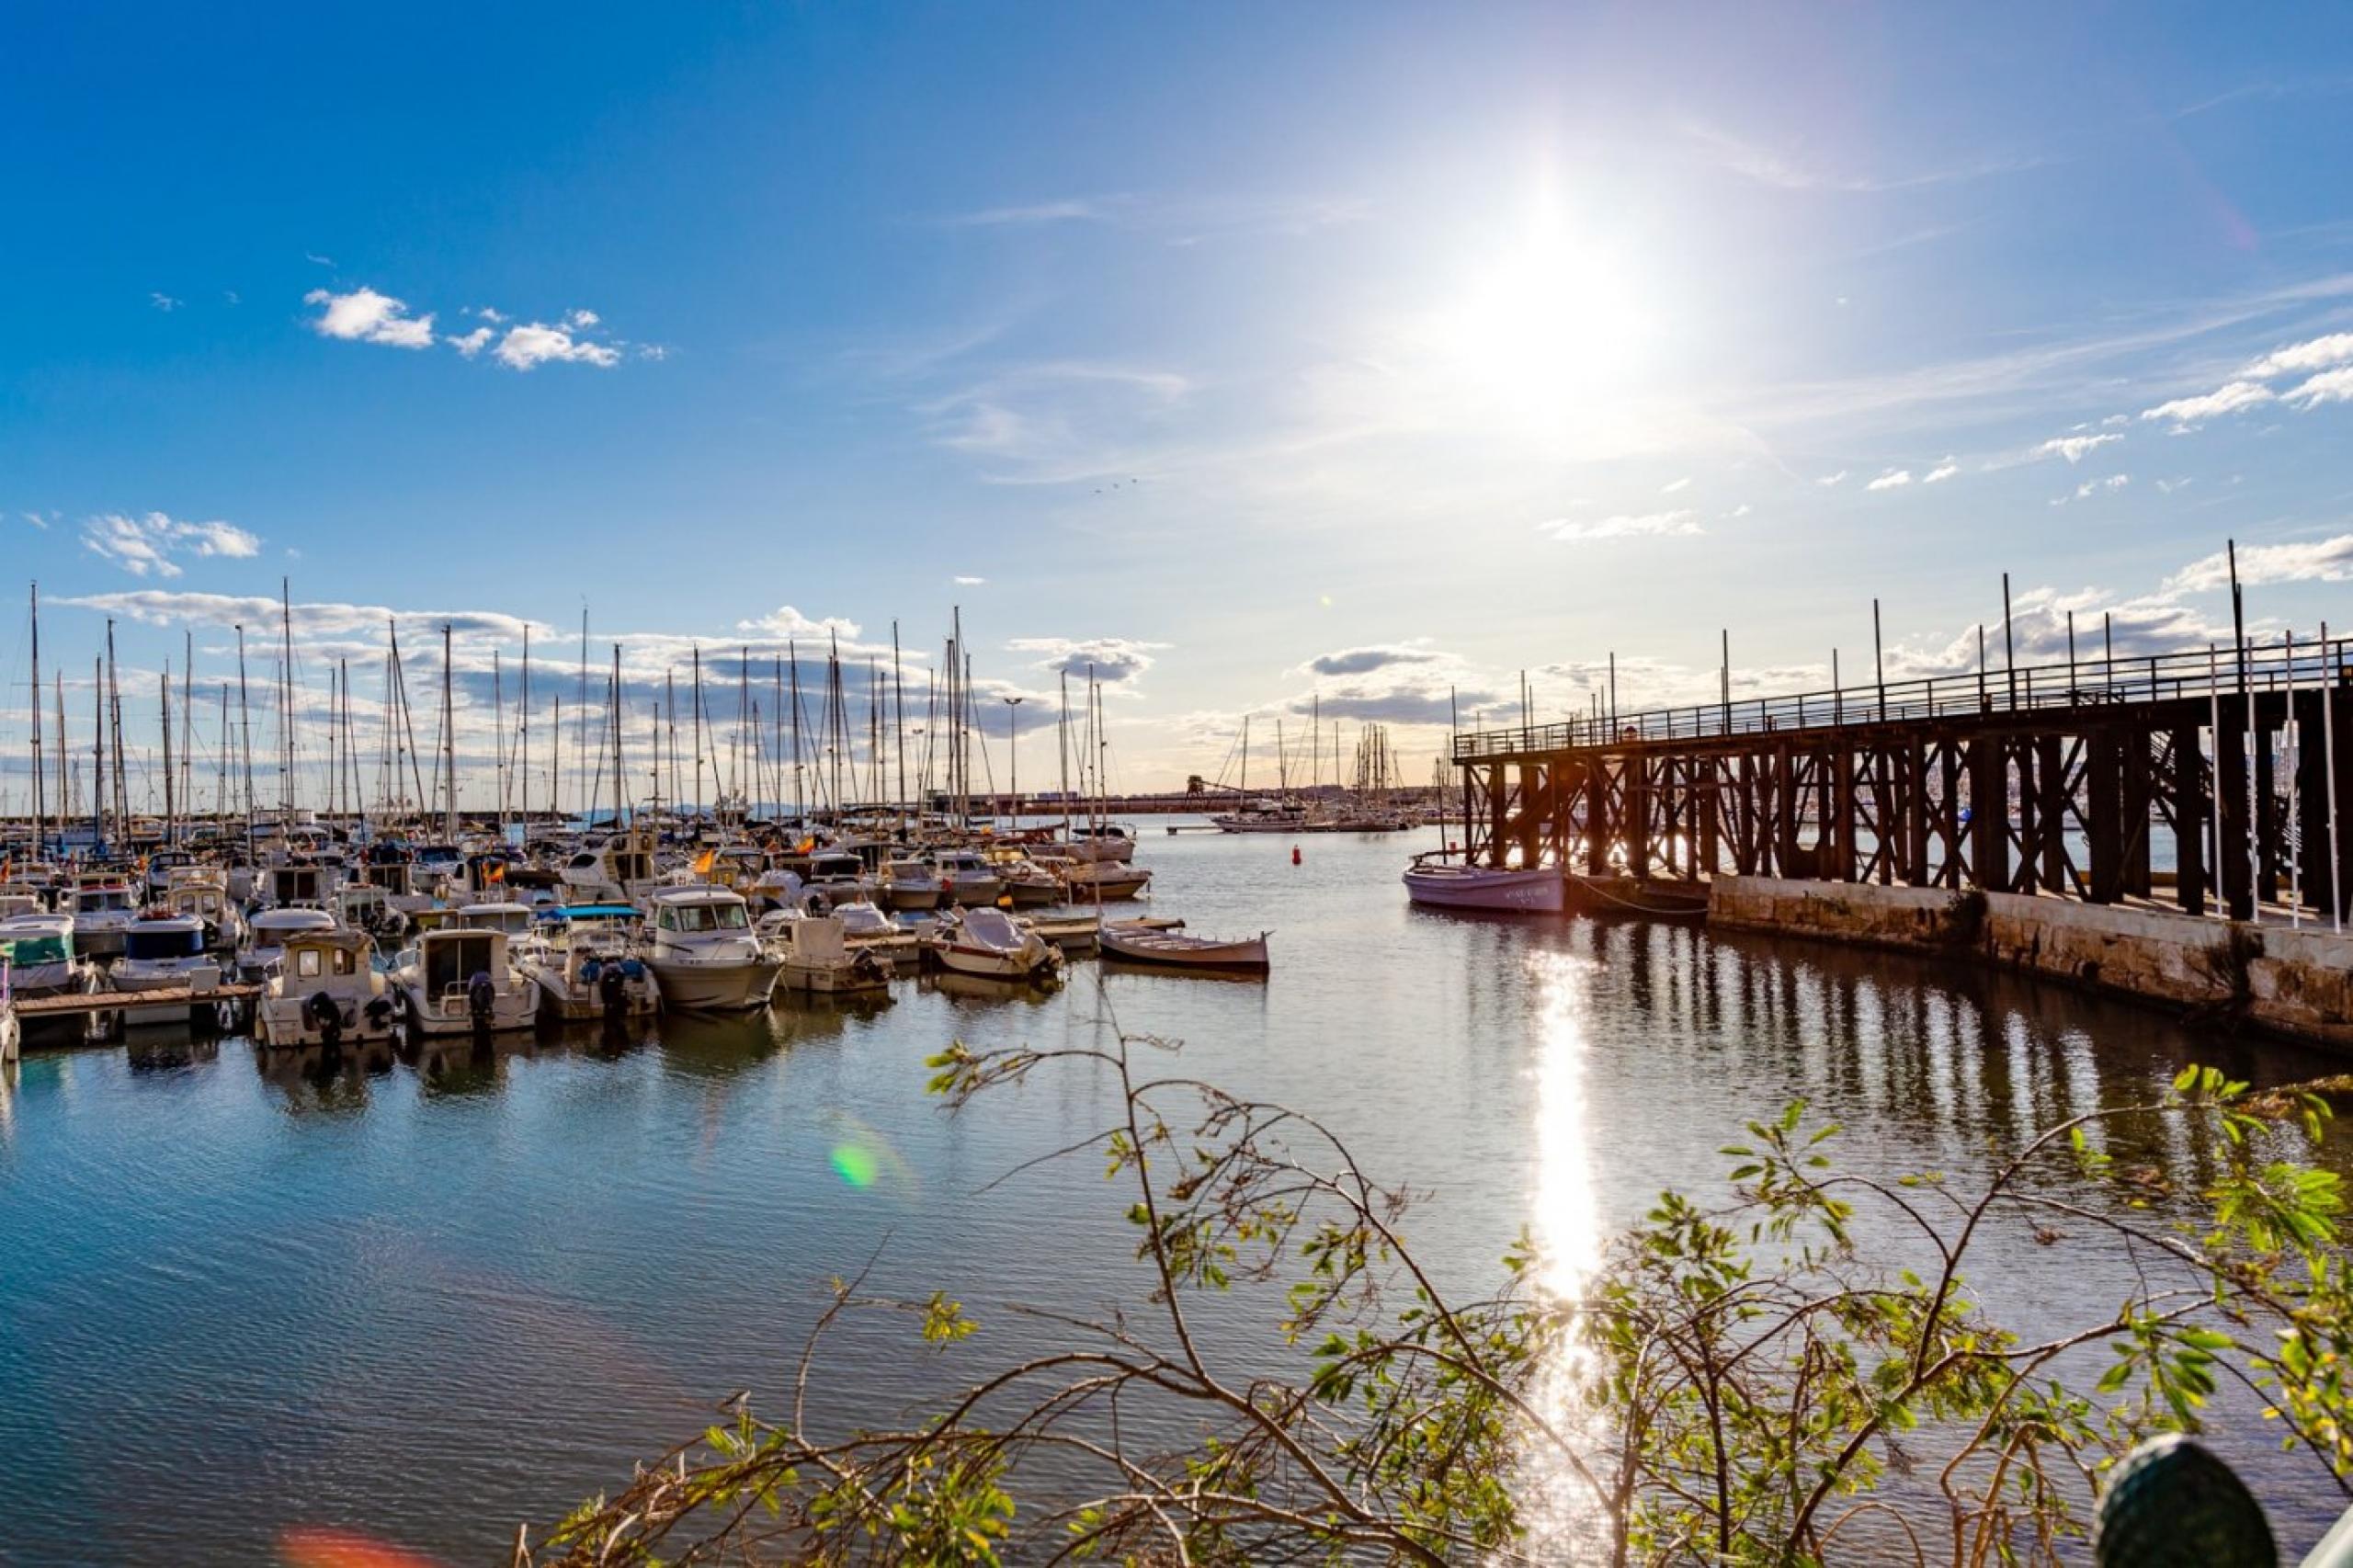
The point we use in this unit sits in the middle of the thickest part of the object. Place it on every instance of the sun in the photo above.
(1550, 327)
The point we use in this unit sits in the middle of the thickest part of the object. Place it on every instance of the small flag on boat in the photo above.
(702, 862)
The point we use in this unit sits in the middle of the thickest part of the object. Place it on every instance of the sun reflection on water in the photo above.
(1565, 1228)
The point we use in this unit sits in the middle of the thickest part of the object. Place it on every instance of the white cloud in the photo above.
(2075, 449)
(366, 316)
(317, 260)
(1941, 472)
(488, 314)
(535, 343)
(1683, 484)
(2167, 486)
(1740, 511)
(2186, 413)
(2329, 386)
(1894, 479)
(1070, 210)
(1112, 658)
(1830, 478)
(2317, 560)
(469, 343)
(969, 581)
(164, 303)
(581, 318)
(2314, 354)
(1624, 526)
(787, 622)
(141, 545)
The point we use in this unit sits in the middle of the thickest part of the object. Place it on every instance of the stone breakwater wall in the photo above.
(2296, 983)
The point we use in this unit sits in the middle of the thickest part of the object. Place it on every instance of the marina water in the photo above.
(430, 1297)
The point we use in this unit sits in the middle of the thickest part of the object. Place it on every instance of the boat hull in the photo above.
(735, 985)
(512, 1007)
(1539, 892)
(1166, 952)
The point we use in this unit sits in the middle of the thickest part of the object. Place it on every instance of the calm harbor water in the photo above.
(429, 1298)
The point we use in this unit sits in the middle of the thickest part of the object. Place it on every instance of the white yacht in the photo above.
(460, 980)
(966, 877)
(103, 908)
(619, 869)
(908, 885)
(586, 961)
(325, 991)
(164, 953)
(706, 954)
(265, 935)
(39, 950)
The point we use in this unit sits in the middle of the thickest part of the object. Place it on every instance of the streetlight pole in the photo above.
(1012, 749)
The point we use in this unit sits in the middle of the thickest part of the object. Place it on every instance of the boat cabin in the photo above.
(514, 919)
(693, 914)
(318, 955)
(296, 887)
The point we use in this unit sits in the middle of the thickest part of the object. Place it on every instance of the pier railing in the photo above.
(2293, 662)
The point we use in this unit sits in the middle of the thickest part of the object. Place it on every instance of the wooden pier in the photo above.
(101, 1012)
(2056, 780)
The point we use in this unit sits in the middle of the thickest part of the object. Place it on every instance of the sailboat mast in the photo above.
(188, 727)
(1062, 746)
(523, 740)
(696, 738)
(171, 802)
(286, 710)
(98, 754)
(800, 793)
(621, 786)
(498, 741)
(40, 804)
(580, 708)
(899, 722)
(449, 742)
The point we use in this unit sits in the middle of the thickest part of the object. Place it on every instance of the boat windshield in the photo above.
(707, 917)
(91, 900)
(164, 944)
(455, 962)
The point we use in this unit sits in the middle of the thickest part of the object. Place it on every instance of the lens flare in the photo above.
(856, 1164)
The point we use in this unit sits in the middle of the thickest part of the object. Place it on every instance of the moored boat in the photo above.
(991, 944)
(1432, 879)
(164, 953)
(815, 959)
(460, 979)
(324, 990)
(1175, 950)
(706, 955)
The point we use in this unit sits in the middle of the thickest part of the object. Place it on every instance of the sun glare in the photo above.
(1547, 328)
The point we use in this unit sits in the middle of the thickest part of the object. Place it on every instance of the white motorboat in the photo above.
(325, 991)
(817, 959)
(587, 961)
(103, 908)
(1173, 950)
(1264, 816)
(1447, 884)
(460, 980)
(908, 885)
(265, 935)
(966, 877)
(991, 944)
(164, 952)
(40, 951)
(618, 869)
(298, 887)
(1027, 883)
(706, 955)
(366, 906)
(206, 898)
(1108, 841)
(1084, 881)
(12, 1033)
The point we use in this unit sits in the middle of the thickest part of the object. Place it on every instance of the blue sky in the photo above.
(1265, 355)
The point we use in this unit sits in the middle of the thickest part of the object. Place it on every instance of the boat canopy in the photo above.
(991, 928)
(591, 912)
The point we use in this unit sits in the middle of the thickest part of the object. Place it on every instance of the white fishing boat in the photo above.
(815, 957)
(966, 877)
(1175, 950)
(991, 944)
(265, 935)
(103, 908)
(1084, 881)
(40, 949)
(1441, 884)
(867, 929)
(706, 955)
(588, 963)
(1105, 841)
(366, 906)
(297, 886)
(164, 953)
(618, 869)
(911, 885)
(460, 979)
(206, 898)
(1028, 884)
(325, 991)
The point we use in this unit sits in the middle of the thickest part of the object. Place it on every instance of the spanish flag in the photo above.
(496, 872)
(702, 862)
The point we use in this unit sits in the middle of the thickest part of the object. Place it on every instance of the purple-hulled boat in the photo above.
(1434, 881)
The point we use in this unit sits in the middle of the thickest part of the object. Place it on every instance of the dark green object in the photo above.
(2173, 1505)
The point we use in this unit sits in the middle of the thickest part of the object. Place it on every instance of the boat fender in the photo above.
(482, 996)
(1294, 853)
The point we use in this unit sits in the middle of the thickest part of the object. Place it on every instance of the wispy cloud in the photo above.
(1669, 489)
(2075, 449)
(1068, 210)
(145, 545)
(1784, 171)
(1646, 524)
(1894, 479)
(1941, 472)
(2329, 386)
(2314, 354)
(1829, 479)
(968, 582)
(164, 303)
(1178, 220)
(2189, 412)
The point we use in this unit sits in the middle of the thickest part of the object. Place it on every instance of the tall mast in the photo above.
(65, 799)
(670, 718)
(523, 764)
(580, 708)
(286, 708)
(40, 804)
(498, 741)
(98, 754)
(188, 727)
(620, 787)
(697, 737)
(1061, 745)
(114, 737)
(171, 802)
(799, 793)
(448, 740)
(898, 722)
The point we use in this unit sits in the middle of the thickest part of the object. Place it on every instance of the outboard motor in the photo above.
(482, 998)
(320, 1012)
(612, 990)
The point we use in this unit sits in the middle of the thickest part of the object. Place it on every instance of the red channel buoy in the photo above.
(1294, 853)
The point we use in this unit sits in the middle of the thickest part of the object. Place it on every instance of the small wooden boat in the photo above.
(1432, 879)
(1172, 949)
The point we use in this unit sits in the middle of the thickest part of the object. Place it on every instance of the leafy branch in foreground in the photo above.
(1736, 1383)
